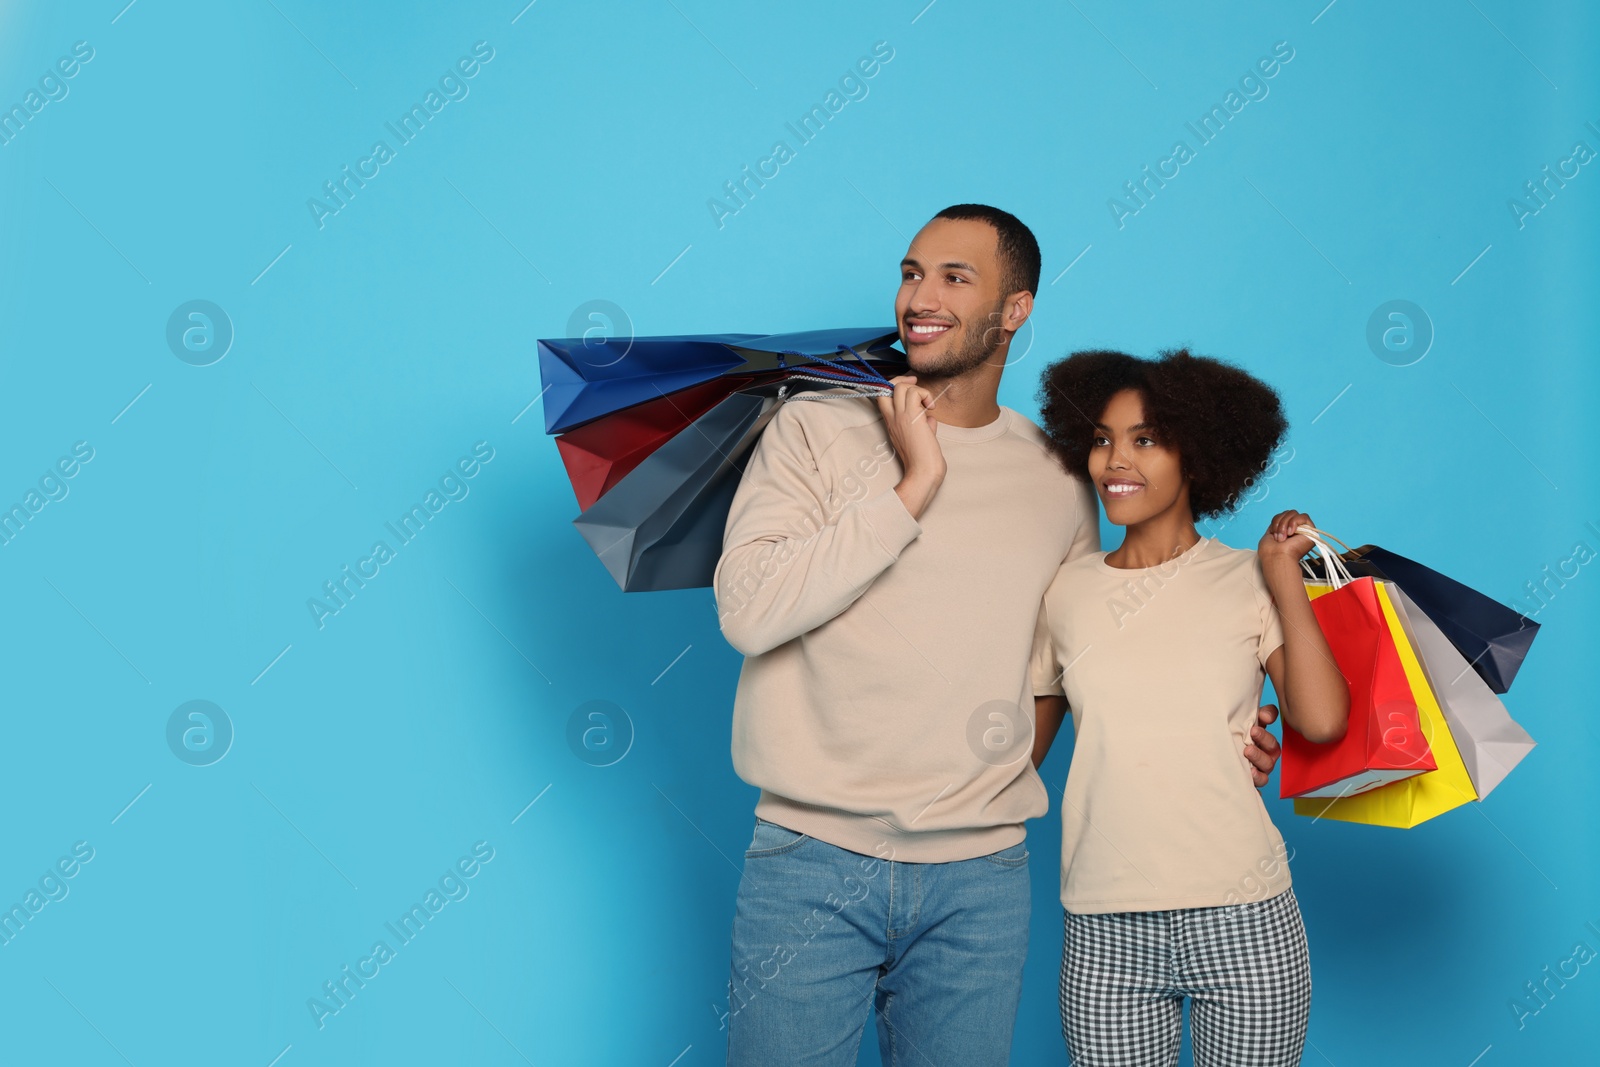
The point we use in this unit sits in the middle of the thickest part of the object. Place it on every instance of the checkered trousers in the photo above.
(1245, 968)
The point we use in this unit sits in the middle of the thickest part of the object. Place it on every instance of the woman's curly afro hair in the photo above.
(1223, 423)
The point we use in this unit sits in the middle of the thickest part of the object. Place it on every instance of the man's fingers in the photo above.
(1259, 759)
(902, 397)
(1265, 742)
(1267, 714)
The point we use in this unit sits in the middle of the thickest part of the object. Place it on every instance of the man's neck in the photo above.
(966, 400)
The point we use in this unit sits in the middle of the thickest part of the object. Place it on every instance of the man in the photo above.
(882, 571)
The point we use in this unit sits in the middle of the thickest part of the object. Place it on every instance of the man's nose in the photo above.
(924, 299)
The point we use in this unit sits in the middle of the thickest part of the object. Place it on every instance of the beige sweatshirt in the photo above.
(885, 704)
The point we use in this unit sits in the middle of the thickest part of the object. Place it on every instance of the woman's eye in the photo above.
(1100, 442)
(1147, 441)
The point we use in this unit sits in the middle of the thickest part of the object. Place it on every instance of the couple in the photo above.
(916, 586)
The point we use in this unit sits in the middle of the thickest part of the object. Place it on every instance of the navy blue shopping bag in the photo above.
(1494, 638)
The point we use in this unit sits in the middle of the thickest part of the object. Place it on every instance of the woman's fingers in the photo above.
(1286, 524)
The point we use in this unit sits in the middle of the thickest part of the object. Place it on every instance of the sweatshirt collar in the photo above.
(986, 432)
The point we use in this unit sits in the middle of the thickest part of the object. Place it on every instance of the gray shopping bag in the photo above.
(661, 526)
(1491, 743)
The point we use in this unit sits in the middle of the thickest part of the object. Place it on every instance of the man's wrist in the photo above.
(915, 491)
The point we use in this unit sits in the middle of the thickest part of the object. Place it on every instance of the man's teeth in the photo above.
(1121, 489)
(929, 329)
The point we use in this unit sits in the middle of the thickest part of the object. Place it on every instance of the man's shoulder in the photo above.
(824, 415)
(1044, 464)
(1026, 428)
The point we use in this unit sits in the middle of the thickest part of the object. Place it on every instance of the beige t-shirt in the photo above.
(1163, 671)
(880, 647)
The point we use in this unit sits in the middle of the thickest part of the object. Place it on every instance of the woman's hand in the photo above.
(1314, 694)
(908, 417)
(1280, 544)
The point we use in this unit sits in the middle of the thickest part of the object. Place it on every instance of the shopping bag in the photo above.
(601, 452)
(587, 377)
(661, 526)
(1490, 741)
(1383, 740)
(1495, 639)
(1416, 799)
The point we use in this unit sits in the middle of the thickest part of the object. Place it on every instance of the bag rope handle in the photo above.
(863, 360)
(835, 365)
(858, 389)
(1338, 575)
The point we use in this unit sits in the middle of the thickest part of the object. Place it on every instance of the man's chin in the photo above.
(941, 365)
(929, 360)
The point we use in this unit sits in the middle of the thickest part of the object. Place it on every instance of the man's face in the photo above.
(949, 307)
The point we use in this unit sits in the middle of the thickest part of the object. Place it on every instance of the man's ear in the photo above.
(1018, 307)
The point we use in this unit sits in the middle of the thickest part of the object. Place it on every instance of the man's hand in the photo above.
(1263, 752)
(908, 418)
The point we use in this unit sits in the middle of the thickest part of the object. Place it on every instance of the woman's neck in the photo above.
(1156, 540)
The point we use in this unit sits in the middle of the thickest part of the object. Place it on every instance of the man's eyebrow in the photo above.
(954, 264)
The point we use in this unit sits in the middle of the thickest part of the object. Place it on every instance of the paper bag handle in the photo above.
(1338, 575)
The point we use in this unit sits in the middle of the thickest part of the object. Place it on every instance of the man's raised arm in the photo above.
(794, 553)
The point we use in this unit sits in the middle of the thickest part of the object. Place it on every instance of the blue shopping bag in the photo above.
(587, 377)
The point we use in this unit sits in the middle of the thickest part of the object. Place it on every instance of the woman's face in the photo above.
(1137, 476)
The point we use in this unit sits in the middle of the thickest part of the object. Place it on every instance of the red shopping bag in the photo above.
(1384, 741)
(599, 453)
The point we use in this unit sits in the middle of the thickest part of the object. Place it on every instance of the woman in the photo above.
(1174, 880)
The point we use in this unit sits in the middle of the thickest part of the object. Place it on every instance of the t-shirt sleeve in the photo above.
(1271, 626)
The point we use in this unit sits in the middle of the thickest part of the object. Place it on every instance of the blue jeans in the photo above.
(820, 932)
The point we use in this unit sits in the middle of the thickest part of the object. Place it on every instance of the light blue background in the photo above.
(375, 351)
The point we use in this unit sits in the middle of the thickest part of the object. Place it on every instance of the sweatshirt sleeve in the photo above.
(1087, 539)
(1043, 665)
(794, 553)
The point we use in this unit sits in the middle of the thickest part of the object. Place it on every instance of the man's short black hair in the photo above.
(1019, 252)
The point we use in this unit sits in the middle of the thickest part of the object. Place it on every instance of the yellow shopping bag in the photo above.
(1413, 800)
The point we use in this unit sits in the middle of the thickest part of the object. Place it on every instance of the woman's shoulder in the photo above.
(1075, 573)
(1241, 565)
(1243, 558)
